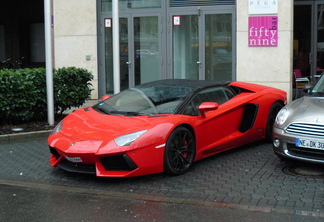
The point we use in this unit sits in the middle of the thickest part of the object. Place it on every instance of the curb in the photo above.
(19, 137)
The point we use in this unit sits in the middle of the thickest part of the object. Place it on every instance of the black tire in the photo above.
(180, 151)
(275, 108)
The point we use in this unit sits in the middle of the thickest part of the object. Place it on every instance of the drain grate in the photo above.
(304, 171)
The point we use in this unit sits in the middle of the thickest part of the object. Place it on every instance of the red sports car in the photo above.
(163, 126)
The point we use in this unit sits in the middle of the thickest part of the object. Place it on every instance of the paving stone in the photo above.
(250, 177)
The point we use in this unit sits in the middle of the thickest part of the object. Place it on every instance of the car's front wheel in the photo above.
(179, 152)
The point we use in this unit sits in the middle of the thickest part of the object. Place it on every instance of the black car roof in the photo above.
(195, 84)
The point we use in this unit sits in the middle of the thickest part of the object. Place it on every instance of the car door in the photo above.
(219, 129)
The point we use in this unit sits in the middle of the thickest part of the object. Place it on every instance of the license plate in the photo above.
(313, 144)
(74, 159)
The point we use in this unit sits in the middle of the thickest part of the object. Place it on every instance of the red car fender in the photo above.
(147, 151)
(265, 96)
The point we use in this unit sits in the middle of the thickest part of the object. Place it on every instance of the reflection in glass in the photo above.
(185, 47)
(318, 89)
(146, 44)
(302, 32)
(151, 98)
(218, 48)
(124, 5)
(320, 39)
(109, 61)
(124, 71)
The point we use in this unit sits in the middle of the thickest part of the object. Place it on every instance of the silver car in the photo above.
(298, 131)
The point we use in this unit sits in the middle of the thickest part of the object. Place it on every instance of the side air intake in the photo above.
(250, 113)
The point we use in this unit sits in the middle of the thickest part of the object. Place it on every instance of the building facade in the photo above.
(172, 39)
(257, 41)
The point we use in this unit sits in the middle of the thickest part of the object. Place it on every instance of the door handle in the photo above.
(129, 64)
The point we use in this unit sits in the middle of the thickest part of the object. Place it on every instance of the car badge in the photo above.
(72, 144)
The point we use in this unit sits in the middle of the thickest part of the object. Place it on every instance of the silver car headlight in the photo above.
(282, 116)
(127, 139)
(57, 128)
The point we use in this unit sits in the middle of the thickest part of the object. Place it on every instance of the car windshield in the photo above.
(318, 89)
(145, 100)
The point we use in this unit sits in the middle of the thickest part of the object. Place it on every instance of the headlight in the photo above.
(282, 116)
(126, 140)
(57, 128)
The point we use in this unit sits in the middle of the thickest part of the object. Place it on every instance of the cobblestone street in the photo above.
(249, 178)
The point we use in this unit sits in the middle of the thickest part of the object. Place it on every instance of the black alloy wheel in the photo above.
(180, 151)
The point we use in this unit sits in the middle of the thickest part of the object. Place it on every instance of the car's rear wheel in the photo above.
(275, 108)
(179, 152)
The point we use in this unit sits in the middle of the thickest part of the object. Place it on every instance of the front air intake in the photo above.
(118, 163)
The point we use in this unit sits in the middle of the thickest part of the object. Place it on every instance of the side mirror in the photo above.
(307, 88)
(207, 106)
(105, 97)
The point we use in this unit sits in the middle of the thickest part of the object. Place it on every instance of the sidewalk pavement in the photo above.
(249, 178)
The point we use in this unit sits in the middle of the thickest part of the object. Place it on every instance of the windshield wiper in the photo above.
(101, 109)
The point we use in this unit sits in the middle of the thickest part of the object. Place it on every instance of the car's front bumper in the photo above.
(105, 159)
(284, 145)
(101, 165)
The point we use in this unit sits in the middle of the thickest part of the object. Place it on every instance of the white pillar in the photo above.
(49, 65)
(116, 52)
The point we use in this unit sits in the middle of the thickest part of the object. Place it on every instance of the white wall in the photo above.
(271, 66)
(75, 36)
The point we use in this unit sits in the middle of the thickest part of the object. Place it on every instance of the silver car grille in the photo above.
(305, 153)
(306, 129)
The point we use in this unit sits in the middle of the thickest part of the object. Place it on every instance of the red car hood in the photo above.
(87, 124)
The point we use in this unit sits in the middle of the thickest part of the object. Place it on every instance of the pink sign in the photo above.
(263, 31)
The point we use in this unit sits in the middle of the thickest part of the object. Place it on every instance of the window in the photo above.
(125, 5)
(218, 94)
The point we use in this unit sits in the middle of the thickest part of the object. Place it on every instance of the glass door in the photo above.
(309, 38)
(218, 47)
(303, 53)
(139, 51)
(186, 62)
(124, 55)
(147, 49)
(320, 41)
(202, 45)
